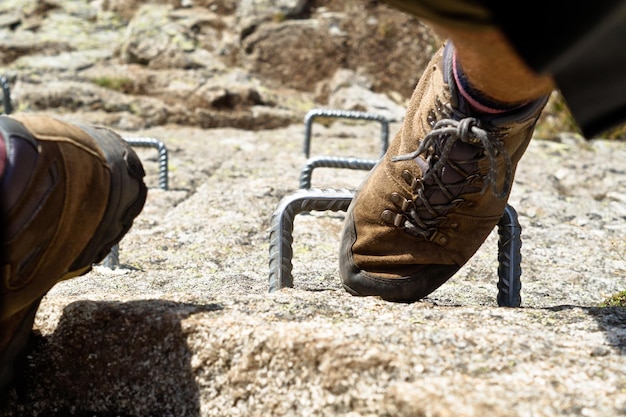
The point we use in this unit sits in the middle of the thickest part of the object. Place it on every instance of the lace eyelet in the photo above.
(395, 219)
(408, 177)
(439, 238)
(402, 203)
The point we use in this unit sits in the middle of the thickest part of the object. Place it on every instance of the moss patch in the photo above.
(616, 300)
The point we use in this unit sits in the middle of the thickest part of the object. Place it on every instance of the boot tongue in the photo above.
(460, 152)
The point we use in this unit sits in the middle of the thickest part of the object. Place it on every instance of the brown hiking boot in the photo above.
(435, 196)
(67, 195)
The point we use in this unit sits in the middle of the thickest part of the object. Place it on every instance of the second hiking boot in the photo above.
(67, 195)
(437, 193)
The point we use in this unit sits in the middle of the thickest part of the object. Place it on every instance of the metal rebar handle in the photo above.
(281, 238)
(6, 95)
(313, 199)
(344, 114)
(160, 147)
(509, 259)
(332, 162)
(112, 260)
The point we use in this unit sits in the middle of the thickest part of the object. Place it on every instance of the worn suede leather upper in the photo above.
(68, 194)
(54, 194)
(376, 255)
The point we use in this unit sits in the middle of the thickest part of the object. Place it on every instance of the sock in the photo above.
(479, 101)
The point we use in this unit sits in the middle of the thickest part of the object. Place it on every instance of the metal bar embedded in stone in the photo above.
(281, 224)
(112, 260)
(160, 146)
(509, 259)
(332, 162)
(313, 199)
(6, 95)
(345, 114)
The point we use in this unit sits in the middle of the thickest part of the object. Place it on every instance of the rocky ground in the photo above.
(185, 324)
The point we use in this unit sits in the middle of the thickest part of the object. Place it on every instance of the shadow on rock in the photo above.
(612, 321)
(112, 359)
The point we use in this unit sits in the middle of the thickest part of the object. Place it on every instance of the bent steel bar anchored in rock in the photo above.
(313, 199)
(6, 95)
(160, 147)
(281, 233)
(344, 114)
(112, 260)
(332, 162)
(509, 259)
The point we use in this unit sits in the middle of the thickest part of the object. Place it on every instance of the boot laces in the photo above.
(421, 217)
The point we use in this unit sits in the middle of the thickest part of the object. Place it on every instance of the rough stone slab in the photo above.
(186, 326)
